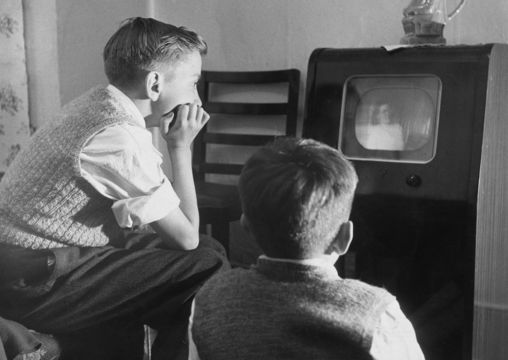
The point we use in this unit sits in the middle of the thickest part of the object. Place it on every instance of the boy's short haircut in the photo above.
(295, 194)
(141, 45)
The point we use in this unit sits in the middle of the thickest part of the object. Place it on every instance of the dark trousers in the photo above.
(96, 300)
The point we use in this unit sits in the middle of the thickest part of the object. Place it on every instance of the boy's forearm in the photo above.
(183, 182)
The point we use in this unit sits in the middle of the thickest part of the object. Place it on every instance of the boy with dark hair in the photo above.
(67, 266)
(296, 196)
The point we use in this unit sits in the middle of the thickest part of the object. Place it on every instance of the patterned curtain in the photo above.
(14, 120)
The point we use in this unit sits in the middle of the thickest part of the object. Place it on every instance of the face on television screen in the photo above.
(390, 118)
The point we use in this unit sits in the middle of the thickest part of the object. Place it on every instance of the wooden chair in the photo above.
(218, 200)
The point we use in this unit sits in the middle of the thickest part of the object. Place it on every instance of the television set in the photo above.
(426, 128)
(390, 118)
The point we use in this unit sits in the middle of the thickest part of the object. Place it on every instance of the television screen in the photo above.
(390, 118)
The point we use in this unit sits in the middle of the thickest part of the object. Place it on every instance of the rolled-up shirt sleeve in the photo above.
(146, 209)
(122, 164)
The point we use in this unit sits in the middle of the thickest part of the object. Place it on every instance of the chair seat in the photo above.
(214, 198)
(219, 204)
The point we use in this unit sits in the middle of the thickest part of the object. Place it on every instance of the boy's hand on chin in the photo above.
(180, 126)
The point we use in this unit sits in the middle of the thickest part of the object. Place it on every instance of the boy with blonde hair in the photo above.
(92, 175)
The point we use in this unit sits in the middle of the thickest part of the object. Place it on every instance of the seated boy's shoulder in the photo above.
(233, 275)
(364, 289)
(228, 279)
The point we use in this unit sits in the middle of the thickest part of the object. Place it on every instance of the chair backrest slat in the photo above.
(225, 169)
(252, 77)
(247, 108)
(237, 139)
(287, 110)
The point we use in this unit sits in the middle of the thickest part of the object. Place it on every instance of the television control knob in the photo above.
(414, 180)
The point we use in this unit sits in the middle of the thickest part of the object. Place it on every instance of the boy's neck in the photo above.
(143, 104)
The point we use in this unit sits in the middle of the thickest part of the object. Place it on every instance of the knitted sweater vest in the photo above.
(44, 201)
(286, 311)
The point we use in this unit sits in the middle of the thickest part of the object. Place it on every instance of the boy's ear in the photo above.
(344, 238)
(153, 85)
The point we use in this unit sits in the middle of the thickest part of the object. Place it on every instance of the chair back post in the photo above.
(199, 146)
(293, 92)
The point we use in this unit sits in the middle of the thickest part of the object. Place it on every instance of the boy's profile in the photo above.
(296, 197)
(72, 261)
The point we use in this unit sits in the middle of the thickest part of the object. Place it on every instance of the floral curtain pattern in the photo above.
(14, 120)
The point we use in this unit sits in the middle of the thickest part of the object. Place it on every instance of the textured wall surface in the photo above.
(14, 121)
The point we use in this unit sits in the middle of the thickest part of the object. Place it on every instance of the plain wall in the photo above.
(41, 45)
(84, 27)
(261, 34)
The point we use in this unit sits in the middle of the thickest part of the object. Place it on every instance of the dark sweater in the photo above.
(279, 310)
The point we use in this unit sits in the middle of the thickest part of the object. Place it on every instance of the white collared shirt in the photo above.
(394, 338)
(122, 164)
